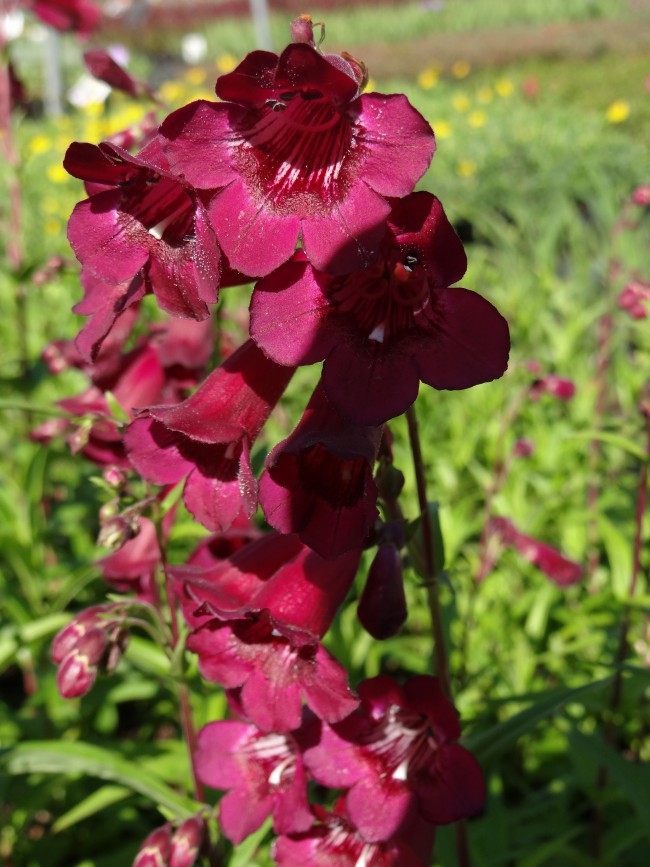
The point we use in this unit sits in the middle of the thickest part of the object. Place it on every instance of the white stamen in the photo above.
(401, 771)
(378, 333)
(159, 229)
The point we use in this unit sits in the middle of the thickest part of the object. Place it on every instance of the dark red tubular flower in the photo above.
(560, 569)
(318, 482)
(270, 647)
(79, 16)
(396, 755)
(336, 842)
(634, 298)
(295, 150)
(228, 584)
(384, 329)
(264, 774)
(207, 438)
(142, 230)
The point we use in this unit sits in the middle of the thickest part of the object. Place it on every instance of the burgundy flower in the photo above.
(228, 584)
(383, 329)
(100, 64)
(142, 230)
(207, 438)
(270, 646)
(294, 150)
(264, 774)
(132, 567)
(318, 482)
(336, 842)
(78, 15)
(560, 569)
(397, 754)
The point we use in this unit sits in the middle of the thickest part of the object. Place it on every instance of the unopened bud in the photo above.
(75, 676)
(186, 842)
(302, 29)
(382, 608)
(523, 448)
(156, 849)
(641, 196)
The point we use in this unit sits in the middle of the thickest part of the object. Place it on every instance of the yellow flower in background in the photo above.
(428, 78)
(441, 129)
(504, 87)
(52, 227)
(485, 95)
(477, 118)
(57, 174)
(618, 111)
(93, 109)
(39, 144)
(460, 102)
(172, 91)
(195, 76)
(466, 168)
(371, 85)
(226, 63)
(460, 69)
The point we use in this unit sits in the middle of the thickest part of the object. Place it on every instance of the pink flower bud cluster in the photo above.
(93, 641)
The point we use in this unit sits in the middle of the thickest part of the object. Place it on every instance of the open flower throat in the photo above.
(298, 151)
(382, 301)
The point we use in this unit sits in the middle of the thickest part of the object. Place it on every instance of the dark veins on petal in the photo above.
(298, 153)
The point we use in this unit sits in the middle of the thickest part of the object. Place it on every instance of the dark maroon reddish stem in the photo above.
(440, 651)
(184, 701)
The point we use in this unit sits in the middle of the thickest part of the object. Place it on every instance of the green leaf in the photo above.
(245, 851)
(489, 744)
(99, 800)
(632, 778)
(60, 757)
(416, 544)
(613, 439)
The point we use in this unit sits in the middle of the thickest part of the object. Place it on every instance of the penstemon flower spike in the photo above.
(300, 179)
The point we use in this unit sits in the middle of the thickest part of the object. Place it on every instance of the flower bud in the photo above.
(67, 639)
(186, 842)
(523, 448)
(382, 608)
(76, 676)
(156, 849)
(641, 196)
(302, 29)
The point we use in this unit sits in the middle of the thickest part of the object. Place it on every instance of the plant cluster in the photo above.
(300, 181)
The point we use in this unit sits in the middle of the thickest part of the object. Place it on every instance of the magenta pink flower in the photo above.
(295, 150)
(384, 329)
(560, 569)
(336, 842)
(156, 848)
(318, 482)
(634, 298)
(207, 438)
(142, 230)
(187, 841)
(558, 387)
(264, 774)
(270, 647)
(79, 16)
(398, 754)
